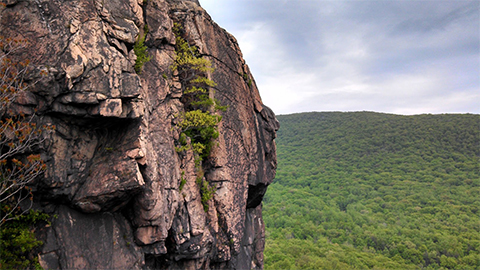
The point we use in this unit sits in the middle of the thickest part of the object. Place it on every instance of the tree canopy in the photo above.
(369, 190)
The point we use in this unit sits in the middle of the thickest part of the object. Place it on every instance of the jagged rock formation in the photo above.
(113, 176)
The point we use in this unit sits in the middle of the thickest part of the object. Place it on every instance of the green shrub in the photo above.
(141, 52)
(199, 121)
(201, 127)
(18, 241)
(183, 181)
(207, 193)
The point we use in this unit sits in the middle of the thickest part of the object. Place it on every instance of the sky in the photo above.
(393, 56)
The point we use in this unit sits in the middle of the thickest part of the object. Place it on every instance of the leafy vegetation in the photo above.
(17, 239)
(369, 190)
(141, 51)
(206, 192)
(201, 128)
(199, 122)
(19, 165)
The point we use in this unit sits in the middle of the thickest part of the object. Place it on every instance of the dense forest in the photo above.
(367, 190)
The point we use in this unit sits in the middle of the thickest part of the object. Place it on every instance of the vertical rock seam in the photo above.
(121, 195)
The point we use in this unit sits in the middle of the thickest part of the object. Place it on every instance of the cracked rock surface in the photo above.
(113, 175)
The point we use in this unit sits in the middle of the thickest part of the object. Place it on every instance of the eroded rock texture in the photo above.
(113, 177)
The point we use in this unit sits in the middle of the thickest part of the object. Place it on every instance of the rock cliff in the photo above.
(114, 178)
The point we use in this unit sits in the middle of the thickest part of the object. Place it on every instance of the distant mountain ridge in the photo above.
(364, 190)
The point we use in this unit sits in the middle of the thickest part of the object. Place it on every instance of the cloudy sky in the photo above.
(394, 56)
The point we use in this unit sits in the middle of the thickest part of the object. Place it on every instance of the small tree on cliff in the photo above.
(199, 121)
(18, 135)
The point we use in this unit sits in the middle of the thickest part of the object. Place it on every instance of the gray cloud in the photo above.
(405, 57)
(447, 14)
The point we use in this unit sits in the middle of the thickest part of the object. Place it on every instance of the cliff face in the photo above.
(113, 180)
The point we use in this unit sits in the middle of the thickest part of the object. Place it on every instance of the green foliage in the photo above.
(219, 107)
(199, 121)
(183, 181)
(368, 190)
(247, 79)
(19, 166)
(17, 239)
(141, 52)
(201, 127)
(188, 60)
(203, 80)
(207, 192)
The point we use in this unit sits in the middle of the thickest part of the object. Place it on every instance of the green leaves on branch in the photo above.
(17, 239)
(141, 52)
(188, 58)
(202, 129)
(206, 81)
(183, 181)
(207, 192)
(199, 121)
(20, 138)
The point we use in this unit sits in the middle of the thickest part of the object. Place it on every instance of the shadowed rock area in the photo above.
(113, 175)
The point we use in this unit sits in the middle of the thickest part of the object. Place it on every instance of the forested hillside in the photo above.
(369, 190)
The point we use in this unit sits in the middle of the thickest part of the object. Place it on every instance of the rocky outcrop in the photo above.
(122, 196)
